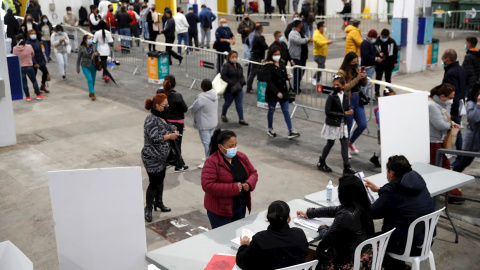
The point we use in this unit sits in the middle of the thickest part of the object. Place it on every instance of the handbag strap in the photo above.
(445, 112)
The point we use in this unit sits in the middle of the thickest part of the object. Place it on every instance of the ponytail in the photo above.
(148, 104)
(443, 89)
(169, 84)
(219, 137)
(20, 39)
(278, 214)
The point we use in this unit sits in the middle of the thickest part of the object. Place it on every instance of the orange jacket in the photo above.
(134, 18)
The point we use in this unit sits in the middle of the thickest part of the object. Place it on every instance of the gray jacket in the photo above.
(60, 47)
(471, 139)
(84, 58)
(295, 42)
(205, 110)
(439, 123)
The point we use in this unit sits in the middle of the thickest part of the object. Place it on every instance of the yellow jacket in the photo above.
(320, 43)
(354, 40)
(10, 5)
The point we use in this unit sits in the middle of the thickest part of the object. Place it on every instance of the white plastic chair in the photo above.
(381, 242)
(302, 266)
(430, 222)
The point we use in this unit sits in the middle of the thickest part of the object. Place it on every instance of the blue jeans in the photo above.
(90, 73)
(205, 137)
(48, 48)
(30, 72)
(370, 71)
(180, 37)
(229, 98)
(298, 74)
(146, 34)
(286, 113)
(124, 32)
(308, 28)
(358, 115)
(218, 221)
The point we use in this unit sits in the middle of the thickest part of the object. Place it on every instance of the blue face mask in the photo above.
(373, 40)
(90, 42)
(45, 20)
(33, 37)
(444, 65)
(281, 39)
(296, 19)
(231, 152)
(59, 32)
(466, 49)
(384, 39)
(224, 25)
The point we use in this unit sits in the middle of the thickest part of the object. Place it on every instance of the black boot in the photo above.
(322, 166)
(347, 169)
(149, 202)
(159, 200)
(375, 161)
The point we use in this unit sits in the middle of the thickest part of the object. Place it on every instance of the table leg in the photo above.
(449, 218)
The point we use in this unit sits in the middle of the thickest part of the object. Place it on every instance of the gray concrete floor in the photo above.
(68, 131)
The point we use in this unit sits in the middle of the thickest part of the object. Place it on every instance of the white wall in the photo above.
(56, 16)
(7, 123)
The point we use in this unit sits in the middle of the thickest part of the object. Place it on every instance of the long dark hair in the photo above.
(84, 40)
(278, 214)
(219, 137)
(473, 95)
(102, 25)
(230, 54)
(169, 84)
(443, 89)
(353, 197)
(346, 65)
(271, 51)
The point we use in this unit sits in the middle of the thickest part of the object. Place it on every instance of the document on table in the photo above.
(245, 232)
(369, 193)
(311, 223)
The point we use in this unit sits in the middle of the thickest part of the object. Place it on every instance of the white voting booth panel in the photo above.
(98, 216)
(404, 127)
(12, 258)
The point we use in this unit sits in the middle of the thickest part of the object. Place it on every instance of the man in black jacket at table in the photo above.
(401, 201)
(169, 32)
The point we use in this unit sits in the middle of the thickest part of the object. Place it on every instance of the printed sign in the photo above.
(206, 64)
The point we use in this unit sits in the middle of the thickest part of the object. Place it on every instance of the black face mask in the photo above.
(337, 90)
(29, 20)
(354, 66)
(247, 19)
(153, 9)
(111, 10)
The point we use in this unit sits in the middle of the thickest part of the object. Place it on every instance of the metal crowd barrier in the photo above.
(72, 33)
(459, 21)
(201, 64)
(129, 51)
(271, 23)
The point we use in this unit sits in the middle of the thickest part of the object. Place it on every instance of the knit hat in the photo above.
(372, 33)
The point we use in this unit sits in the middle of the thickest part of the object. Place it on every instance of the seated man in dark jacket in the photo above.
(278, 247)
(401, 201)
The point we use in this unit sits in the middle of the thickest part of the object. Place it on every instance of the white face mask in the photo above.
(276, 58)
(449, 102)
(233, 60)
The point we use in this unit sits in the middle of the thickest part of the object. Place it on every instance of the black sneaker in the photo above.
(181, 169)
(375, 161)
(292, 134)
(347, 169)
(271, 133)
(323, 167)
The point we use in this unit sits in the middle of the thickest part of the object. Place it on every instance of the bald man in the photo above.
(224, 38)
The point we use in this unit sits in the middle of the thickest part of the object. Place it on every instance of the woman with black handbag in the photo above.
(355, 78)
(232, 74)
(157, 135)
(275, 74)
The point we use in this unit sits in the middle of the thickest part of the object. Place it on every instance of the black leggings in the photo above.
(44, 73)
(156, 179)
(281, 10)
(103, 59)
(466, 161)
(153, 38)
(329, 145)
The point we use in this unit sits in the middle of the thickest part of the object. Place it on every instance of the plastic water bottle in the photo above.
(329, 191)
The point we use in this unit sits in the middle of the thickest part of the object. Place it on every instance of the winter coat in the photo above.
(352, 83)
(354, 40)
(471, 64)
(281, 3)
(297, 45)
(205, 110)
(320, 43)
(84, 59)
(181, 23)
(176, 105)
(259, 46)
(390, 50)
(335, 110)
(155, 149)
(123, 20)
(35, 11)
(206, 18)
(241, 29)
(39, 58)
(169, 31)
(233, 77)
(285, 55)
(345, 233)
(276, 78)
(223, 33)
(13, 27)
(368, 53)
(438, 121)
(274, 248)
(471, 139)
(39, 29)
(34, 27)
(455, 75)
(217, 182)
(192, 20)
(400, 202)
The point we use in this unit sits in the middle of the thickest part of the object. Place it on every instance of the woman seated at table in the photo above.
(352, 225)
(277, 247)
(228, 178)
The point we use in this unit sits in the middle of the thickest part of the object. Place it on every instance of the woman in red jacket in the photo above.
(228, 178)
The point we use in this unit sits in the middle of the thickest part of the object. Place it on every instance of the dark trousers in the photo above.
(156, 185)
(153, 38)
(193, 37)
(180, 162)
(220, 60)
(134, 31)
(171, 53)
(218, 221)
(379, 70)
(464, 163)
(44, 71)
(433, 155)
(268, 9)
(252, 73)
(229, 99)
(298, 74)
(238, 12)
(103, 59)
(329, 145)
(30, 72)
(281, 9)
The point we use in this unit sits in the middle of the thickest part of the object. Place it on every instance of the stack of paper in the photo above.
(311, 223)
(245, 232)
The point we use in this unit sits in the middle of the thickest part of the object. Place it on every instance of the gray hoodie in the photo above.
(205, 110)
(439, 123)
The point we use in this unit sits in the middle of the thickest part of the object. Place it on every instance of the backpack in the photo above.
(206, 21)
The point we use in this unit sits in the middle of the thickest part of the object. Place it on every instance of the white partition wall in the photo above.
(404, 127)
(99, 222)
(13, 258)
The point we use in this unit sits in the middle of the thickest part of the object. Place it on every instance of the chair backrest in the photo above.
(302, 266)
(430, 221)
(379, 246)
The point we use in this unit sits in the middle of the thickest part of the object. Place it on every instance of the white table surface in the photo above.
(439, 180)
(196, 252)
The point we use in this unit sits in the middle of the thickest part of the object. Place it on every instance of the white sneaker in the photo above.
(352, 148)
(201, 165)
(203, 159)
(349, 155)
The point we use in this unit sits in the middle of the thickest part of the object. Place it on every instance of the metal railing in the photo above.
(459, 21)
(201, 64)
